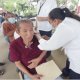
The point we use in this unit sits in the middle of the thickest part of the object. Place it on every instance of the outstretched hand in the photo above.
(45, 37)
(36, 77)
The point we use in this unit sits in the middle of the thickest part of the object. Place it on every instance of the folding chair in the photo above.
(20, 74)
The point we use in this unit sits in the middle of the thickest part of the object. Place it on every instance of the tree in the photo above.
(20, 7)
(71, 4)
(26, 7)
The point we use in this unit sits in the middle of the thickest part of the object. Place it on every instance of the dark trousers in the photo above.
(73, 75)
(66, 70)
(47, 33)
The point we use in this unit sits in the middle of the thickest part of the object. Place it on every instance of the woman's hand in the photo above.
(33, 63)
(45, 37)
(36, 77)
(35, 30)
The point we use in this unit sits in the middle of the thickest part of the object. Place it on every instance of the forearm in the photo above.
(42, 18)
(22, 68)
(42, 55)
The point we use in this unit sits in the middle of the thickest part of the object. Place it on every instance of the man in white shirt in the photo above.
(43, 9)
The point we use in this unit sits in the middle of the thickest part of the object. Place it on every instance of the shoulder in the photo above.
(69, 25)
(15, 42)
(35, 39)
(70, 22)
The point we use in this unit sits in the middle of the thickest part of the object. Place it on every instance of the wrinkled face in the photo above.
(54, 22)
(26, 31)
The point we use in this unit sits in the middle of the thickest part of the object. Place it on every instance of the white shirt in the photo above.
(16, 35)
(67, 35)
(44, 11)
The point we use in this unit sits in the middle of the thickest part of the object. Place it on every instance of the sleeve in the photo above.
(5, 28)
(60, 37)
(14, 54)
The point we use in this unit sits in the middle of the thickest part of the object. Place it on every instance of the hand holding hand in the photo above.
(34, 63)
(36, 77)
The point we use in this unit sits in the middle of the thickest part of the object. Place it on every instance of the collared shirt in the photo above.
(66, 35)
(48, 5)
(18, 52)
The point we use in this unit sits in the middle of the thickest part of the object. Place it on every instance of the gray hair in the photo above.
(23, 21)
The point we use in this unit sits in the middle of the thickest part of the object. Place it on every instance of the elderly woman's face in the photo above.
(26, 31)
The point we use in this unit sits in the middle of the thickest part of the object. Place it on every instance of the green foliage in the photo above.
(26, 8)
(60, 2)
(64, 2)
(20, 7)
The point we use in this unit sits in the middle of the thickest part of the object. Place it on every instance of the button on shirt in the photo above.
(48, 5)
(66, 35)
(18, 52)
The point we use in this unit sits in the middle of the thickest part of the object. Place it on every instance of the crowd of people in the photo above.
(33, 45)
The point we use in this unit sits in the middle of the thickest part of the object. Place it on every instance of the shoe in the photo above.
(1, 64)
(2, 71)
(65, 73)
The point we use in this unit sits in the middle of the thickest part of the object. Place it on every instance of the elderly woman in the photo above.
(24, 51)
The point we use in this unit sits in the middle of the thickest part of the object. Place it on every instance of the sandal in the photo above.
(2, 64)
(2, 72)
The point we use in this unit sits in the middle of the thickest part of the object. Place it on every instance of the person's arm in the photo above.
(24, 70)
(42, 55)
(42, 18)
(36, 61)
(61, 37)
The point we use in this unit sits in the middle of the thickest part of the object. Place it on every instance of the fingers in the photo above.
(30, 61)
(35, 29)
(32, 65)
(45, 37)
(40, 75)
